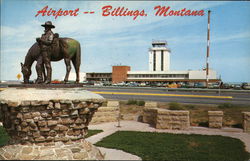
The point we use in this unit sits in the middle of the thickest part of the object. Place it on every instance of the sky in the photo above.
(118, 40)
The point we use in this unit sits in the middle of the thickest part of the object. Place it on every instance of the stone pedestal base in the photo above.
(215, 119)
(80, 150)
(48, 124)
(172, 119)
(246, 122)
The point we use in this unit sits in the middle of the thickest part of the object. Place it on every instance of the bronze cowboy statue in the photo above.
(51, 48)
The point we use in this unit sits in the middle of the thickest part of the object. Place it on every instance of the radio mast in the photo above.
(208, 45)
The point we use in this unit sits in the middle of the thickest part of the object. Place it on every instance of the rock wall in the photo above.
(151, 105)
(149, 116)
(149, 113)
(107, 114)
(47, 122)
(172, 119)
(165, 119)
(215, 119)
(79, 150)
(246, 122)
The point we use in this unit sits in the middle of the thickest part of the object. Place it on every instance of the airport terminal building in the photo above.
(159, 70)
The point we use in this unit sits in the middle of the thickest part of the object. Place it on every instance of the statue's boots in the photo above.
(39, 81)
(39, 77)
(47, 81)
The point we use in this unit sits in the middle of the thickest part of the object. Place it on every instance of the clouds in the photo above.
(235, 36)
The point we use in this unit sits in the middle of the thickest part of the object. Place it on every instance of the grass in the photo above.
(93, 132)
(4, 137)
(181, 147)
(225, 106)
(175, 106)
(135, 102)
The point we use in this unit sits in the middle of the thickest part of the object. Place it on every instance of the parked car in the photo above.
(183, 85)
(237, 86)
(107, 84)
(199, 85)
(225, 86)
(132, 84)
(142, 84)
(98, 84)
(245, 86)
(190, 85)
(213, 85)
(87, 83)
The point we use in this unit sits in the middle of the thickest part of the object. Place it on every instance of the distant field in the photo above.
(181, 147)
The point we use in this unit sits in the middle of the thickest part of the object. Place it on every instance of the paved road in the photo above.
(162, 95)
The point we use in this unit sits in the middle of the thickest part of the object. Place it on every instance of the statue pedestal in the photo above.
(48, 123)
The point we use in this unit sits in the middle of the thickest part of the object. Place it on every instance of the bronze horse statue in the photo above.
(62, 48)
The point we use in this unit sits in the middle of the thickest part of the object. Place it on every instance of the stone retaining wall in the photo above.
(165, 119)
(149, 113)
(107, 114)
(151, 105)
(149, 116)
(172, 119)
(215, 119)
(246, 122)
(47, 122)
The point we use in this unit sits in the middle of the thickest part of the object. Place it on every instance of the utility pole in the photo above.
(208, 45)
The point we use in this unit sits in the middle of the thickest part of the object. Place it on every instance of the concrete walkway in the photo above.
(111, 127)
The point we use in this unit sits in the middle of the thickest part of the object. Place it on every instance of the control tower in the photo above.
(159, 56)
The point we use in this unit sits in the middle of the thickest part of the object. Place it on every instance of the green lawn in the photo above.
(163, 146)
(3, 136)
(93, 132)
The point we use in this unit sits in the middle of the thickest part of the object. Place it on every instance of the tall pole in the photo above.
(208, 45)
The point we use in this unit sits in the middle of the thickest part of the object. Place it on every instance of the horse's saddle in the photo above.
(58, 43)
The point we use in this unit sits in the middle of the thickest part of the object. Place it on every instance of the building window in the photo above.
(162, 60)
(154, 61)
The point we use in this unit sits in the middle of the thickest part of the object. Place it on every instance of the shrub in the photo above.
(225, 106)
(203, 124)
(190, 106)
(135, 102)
(175, 106)
(131, 102)
(140, 103)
